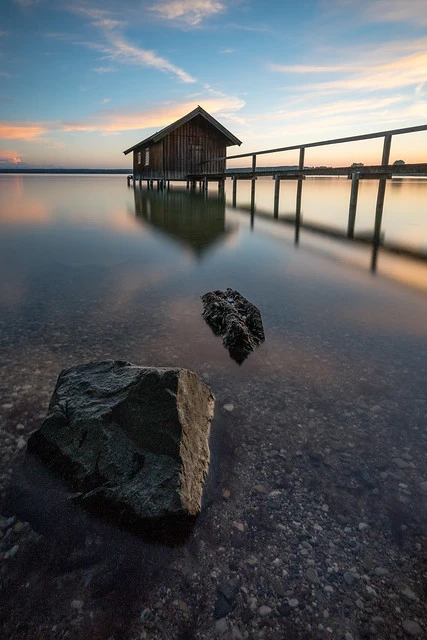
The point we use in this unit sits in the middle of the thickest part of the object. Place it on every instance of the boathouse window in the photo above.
(139, 157)
(147, 156)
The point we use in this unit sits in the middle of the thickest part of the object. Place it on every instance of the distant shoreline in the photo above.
(62, 171)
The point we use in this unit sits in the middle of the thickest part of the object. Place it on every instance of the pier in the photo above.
(381, 172)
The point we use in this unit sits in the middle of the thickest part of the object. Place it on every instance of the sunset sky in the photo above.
(80, 81)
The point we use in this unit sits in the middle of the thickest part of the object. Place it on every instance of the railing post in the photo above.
(301, 158)
(353, 204)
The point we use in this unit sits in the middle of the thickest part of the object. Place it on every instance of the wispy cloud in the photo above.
(103, 69)
(120, 49)
(117, 47)
(190, 12)
(392, 66)
(227, 50)
(23, 131)
(413, 12)
(26, 3)
(110, 122)
(5, 74)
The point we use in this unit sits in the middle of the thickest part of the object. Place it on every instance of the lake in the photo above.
(326, 437)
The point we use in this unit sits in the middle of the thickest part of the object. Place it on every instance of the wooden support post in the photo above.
(353, 204)
(276, 196)
(378, 219)
(234, 191)
(188, 185)
(128, 179)
(254, 164)
(152, 184)
(221, 186)
(140, 178)
(148, 184)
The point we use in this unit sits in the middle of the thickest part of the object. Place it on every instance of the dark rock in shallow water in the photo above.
(131, 442)
(236, 319)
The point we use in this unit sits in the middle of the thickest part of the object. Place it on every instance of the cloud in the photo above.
(301, 68)
(6, 100)
(413, 12)
(26, 3)
(110, 122)
(9, 157)
(5, 74)
(103, 69)
(119, 49)
(190, 12)
(403, 72)
(25, 131)
(227, 50)
(105, 100)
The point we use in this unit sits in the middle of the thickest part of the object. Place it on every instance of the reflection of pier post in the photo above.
(380, 204)
(299, 196)
(253, 182)
(234, 191)
(276, 196)
(353, 204)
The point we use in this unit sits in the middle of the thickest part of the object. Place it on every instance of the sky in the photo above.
(83, 80)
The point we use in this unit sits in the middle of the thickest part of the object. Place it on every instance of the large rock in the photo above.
(236, 320)
(131, 442)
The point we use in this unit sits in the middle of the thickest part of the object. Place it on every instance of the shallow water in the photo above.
(94, 270)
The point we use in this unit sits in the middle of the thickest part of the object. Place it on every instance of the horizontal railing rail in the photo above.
(366, 136)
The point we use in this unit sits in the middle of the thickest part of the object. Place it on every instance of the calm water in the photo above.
(91, 269)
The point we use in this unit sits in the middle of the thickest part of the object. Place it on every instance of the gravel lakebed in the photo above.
(313, 524)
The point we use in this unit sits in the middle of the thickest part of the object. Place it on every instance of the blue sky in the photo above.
(80, 81)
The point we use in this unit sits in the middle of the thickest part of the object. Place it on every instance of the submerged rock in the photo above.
(131, 442)
(237, 320)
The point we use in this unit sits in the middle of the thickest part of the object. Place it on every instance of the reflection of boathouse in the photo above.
(186, 216)
(182, 148)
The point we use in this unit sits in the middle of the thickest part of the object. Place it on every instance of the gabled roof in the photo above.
(198, 111)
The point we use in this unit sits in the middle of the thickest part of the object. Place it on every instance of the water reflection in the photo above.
(188, 217)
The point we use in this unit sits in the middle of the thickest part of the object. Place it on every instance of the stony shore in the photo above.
(314, 522)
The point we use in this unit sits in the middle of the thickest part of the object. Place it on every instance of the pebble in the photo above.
(77, 604)
(228, 407)
(21, 443)
(412, 627)
(260, 488)
(402, 464)
(380, 571)
(311, 575)
(362, 526)
(239, 526)
(20, 426)
(226, 494)
(350, 577)
(360, 604)
(293, 603)
(264, 611)
(423, 486)
(251, 561)
(12, 552)
(221, 625)
(409, 594)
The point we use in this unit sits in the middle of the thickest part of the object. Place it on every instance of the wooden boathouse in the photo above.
(185, 147)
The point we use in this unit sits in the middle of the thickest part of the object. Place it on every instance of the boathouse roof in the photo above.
(198, 111)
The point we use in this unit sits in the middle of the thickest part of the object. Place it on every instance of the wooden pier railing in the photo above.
(381, 172)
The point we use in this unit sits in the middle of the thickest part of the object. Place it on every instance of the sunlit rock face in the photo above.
(130, 442)
(236, 320)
